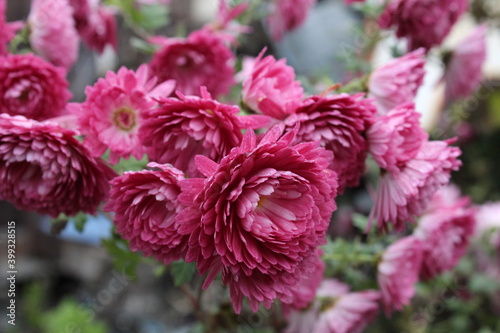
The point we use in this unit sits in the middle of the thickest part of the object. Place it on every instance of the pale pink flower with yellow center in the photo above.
(112, 113)
(287, 15)
(53, 32)
(7, 30)
(44, 168)
(145, 204)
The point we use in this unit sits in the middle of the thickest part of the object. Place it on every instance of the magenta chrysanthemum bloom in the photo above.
(145, 204)
(53, 33)
(425, 23)
(202, 59)
(397, 82)
(7, 30)
(287, 15)
(464, 65)
(32, 87)
(271, 88)
(339, 123)
(396, 137)
(112, 113)
(259, 216)
(181, 128)
(398, 272)
(404, 193)
(45, 169)
(445, 232)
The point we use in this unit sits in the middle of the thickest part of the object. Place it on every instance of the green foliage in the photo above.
(129, 164)
(124, 260)
(182, 272)
(60, 222)
(146, 17)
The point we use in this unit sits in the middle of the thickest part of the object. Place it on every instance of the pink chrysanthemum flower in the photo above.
(45, 169)
(397, 82)
(259, 216)
(339, 123)
(396, 137)
(425, 23)
(336, 310)
(398, 272)
(145, 204)
(464, 65)
(271, 88)
(181, 128)
(7, 30)
(202, 59)
(53, 33)
(32, 87)
(112, 113)
(445, 232)
(225, 21)
(287, 15)
(404, 193)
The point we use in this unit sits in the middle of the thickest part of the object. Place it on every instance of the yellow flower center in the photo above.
(124, 118)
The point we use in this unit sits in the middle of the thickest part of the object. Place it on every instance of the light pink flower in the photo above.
(225, 22)
(403, 194)
(271, 88)
(425, 23)
(398, 272)
(45, 169)
(32, 87)
(488, 220)
(396, 137)
(181, 128)
(201, 59)
(287, 15)
(339, 123)
(445, 232)
(7, 30)
(53, 33)
(111, 115)
(259, 216)
(145, 204)
(397, 82)
(464, 65)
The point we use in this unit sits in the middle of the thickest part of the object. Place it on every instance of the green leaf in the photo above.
(182, 272)
(124, 260)
(79, 220)
(154, 16)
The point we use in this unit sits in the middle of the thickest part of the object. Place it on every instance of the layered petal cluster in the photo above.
(398, 271)
(53, 32)
(339, 123)
(32, 87)
(445, 232)
(145, 204)
(181, 128)
(336, 310)
(259, 216)
(201, 59)
(7, 30)
(464, 65)
(405, 192)
(397, 82)
(45, 169)
(111, 115)
(425, 23)
(287, 15)
(396, 137)
(271, 88)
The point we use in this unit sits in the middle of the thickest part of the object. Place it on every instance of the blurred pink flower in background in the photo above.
(398, 272)
(488, 223)
(225, 21)
(464, 64)
(7, 30)
(259, 216)
(287, 15)
(43, 168)
(111, 115)
(397, 82)
(201, 59)
(32, 87)
(271, 88)
(53, 32)
(339, 123)
(145, 206)
(425, 23)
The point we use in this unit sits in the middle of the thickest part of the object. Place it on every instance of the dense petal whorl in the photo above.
(45, 169)
(262, 211)
(338, 123)
(145, 204)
